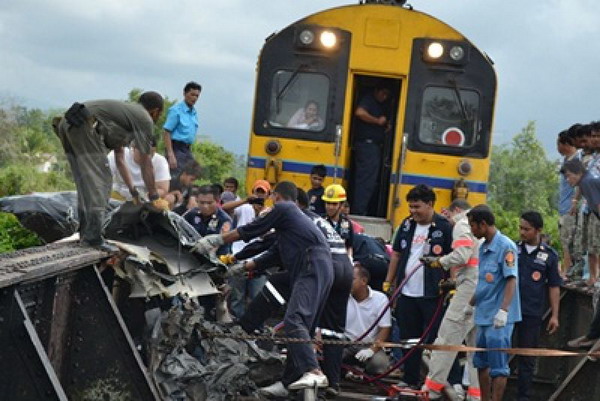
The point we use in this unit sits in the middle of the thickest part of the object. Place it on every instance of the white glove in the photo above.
(208, 243)
(237, 269)
(500, 319)
(364, 354)
(468, 311)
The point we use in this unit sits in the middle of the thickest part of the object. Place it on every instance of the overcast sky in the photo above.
(54, 52)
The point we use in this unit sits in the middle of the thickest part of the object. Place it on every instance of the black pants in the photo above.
(367, 160)
(183, 154)
(528, 336)
(413, 316)
(594, 331)
(333, 317)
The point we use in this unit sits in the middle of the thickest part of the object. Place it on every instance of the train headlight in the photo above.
(457, 53)
(435, 50)
(328, 39)
(273, 147)
(306, 37)
(465, 167)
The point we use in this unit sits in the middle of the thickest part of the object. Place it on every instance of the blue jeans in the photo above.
(242, 291)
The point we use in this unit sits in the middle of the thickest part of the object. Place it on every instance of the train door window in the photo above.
(449, 117)
(299, 101)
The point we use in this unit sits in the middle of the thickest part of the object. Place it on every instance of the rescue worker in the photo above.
(462, 264)
(208, 218)
(333, 319)
(88, 131)
(334, 198)
(496, 302)
(538, 275)
(305, 254)
(424, 233)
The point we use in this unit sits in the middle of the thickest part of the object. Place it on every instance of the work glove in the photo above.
(387, 287)
(500, 319)
(468, 311)
(206, 244)
(160, 204)
(228, 259)
(431, 261)
(364, 354)
(237, 270)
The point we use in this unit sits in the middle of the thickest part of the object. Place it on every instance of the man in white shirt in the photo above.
(121, 187)
(364, 307)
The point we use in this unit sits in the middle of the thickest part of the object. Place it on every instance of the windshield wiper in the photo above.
(287, 85)
(459, 99)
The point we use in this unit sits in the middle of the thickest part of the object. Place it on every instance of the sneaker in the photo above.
(581, 342)
(353, 377)
(104, 247)
(332, 392)
(274, 390)
(309, 380)
(460, 391)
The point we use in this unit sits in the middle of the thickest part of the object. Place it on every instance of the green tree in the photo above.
(523, 178)
(217, 163)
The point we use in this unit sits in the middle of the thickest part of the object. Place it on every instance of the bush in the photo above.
(13, 236)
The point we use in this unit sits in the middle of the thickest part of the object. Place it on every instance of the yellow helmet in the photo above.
(334, 193)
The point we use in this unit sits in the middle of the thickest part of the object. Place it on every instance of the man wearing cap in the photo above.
(180, 128)
(88, 131)
(248, 210)
(334, 198)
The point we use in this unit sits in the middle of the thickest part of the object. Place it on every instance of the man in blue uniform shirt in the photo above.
(208, 218)
(305, 254)
(496, 301)
(424, 233)
(538, 274)
(180, 128)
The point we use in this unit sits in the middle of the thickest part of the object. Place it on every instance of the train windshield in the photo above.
(299, 101)
(449, 117)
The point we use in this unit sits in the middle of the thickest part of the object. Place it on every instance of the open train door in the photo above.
(375, 216)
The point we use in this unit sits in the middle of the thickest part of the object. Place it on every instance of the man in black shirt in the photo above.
(305, 253)
(371, 127)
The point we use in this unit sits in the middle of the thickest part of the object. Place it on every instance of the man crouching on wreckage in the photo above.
(305, 255)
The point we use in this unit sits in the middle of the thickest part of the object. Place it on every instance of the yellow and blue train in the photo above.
(441, 106)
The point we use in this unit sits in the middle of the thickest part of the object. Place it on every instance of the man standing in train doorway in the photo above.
(371, 127)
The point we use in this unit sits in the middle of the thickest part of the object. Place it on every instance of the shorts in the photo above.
(593, 234)
(496, 361)
(566, 228)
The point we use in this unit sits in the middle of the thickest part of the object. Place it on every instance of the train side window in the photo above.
(449, 117)
(299, 101)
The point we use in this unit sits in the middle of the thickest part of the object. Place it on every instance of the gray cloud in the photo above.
(56, 52)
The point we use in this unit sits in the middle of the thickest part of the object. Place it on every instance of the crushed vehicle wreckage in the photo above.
(153, 282)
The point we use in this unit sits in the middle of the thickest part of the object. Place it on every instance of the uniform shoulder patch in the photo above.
(509, 259)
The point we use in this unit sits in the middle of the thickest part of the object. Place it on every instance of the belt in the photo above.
(371, 141)
(181, 143)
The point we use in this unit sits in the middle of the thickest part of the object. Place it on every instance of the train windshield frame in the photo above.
(298, 103)
(449, 117)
